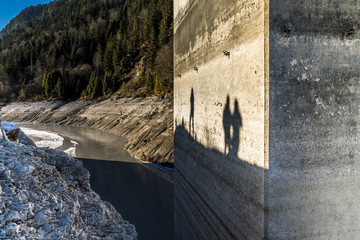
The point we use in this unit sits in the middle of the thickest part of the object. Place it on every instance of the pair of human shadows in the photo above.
(234, 121)
(230, 120)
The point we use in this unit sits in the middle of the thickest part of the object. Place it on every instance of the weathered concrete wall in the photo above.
(219, 109)
(267, 139)
(314, 120)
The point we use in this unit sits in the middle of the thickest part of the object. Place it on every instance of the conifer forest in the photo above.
(87, 49)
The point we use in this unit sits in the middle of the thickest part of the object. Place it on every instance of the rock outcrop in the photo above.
(146, 122)
(14, 133)
(45, 194)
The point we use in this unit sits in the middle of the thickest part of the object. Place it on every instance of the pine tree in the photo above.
(157, 89)
(117, 54)
(90, 87)
(47, 89)
(44, 83)
(133, 35)
(51, 84)
(94, 88)
(108, 56)
(108, 84)
(166, 23)
(149, 83)
(59, 89)
(98, 58)
(152, 48)
(97, 91)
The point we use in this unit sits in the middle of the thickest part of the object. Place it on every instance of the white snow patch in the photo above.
(8, 127)
(71, 151)
(46, 139)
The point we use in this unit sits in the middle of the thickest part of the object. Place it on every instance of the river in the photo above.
(142, 193)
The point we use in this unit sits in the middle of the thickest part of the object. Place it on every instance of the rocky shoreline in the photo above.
(147, 123)
(45, 194)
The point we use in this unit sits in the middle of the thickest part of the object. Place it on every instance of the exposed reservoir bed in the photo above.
(141, 193)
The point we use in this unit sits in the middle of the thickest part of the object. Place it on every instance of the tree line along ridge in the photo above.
(87, 49)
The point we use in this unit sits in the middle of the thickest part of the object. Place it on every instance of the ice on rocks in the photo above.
(20, 135)
(48, 139)
(45, 194)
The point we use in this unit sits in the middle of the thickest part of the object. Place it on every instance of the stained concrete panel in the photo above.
(314, 117)
(219, 117)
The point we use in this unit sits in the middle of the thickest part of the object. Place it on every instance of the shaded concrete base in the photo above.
(214, 200)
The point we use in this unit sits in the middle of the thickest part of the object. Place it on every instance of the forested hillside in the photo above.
(72, 49)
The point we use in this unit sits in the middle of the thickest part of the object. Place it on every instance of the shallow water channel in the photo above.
(141, 193)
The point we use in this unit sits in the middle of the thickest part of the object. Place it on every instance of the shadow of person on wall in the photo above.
(191, 120)
(227, 125)
(236, 123)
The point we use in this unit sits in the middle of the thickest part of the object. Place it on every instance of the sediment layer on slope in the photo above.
(45, 194)
(146, 122)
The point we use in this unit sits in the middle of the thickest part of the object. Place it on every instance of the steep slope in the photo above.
(87, 48)
(23, 18)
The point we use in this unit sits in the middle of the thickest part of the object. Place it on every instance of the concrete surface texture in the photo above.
(219, 112)
(314, 120)
(266, 119)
